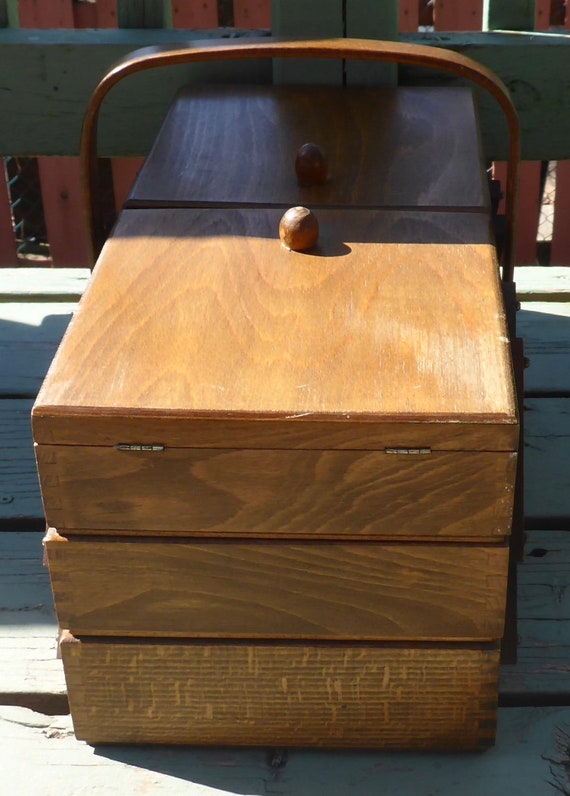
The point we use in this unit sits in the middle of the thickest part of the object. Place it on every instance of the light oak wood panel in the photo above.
(237, 145)
(206, 314)
(282, 695)
(277, 493)
(275, 590)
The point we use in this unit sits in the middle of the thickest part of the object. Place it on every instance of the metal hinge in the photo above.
(139, 447)
(408, 451)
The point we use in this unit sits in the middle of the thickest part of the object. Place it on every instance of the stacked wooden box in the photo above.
(280, 484)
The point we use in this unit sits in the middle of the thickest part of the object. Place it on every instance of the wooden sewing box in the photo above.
(279, 485)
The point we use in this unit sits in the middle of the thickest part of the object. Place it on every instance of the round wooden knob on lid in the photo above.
(299, 229)
(311, 165)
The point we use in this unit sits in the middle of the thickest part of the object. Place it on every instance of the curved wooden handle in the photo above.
(351, 49)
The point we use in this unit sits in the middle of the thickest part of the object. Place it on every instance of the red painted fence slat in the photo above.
(560, 249)
(254, 14)
(46, 14)
(8, 255)
(454, 15)
(197, 15)
(98, 14)
(63, 211)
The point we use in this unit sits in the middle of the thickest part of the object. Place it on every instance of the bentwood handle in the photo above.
(350, 49)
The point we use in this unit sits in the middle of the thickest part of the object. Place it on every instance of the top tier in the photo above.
(397, 148)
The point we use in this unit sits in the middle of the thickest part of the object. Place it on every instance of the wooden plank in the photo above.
(297, 19)
(67, 73)
(543, 283)
(252, 13)
(29, 336)
(545, 327)
(333, 695)
(19, 496)
(50, 76)
(32, 675)
(314, 373)
(43, 284)
(63, 211)
(8, 256)
(547, 477)
(560, 249)
(542, 14)
(197, 159)
(98, 14)
(466, 15)
(41, 751)
(542, 667)
(195, 15)
(528, 209)
(38, 14)
(275, 494)
(356, 592)
(368, 19)
(547, 486)
(140, 13)
(509, 14)
(408, 20)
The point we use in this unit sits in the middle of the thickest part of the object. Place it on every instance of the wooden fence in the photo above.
(59, 175)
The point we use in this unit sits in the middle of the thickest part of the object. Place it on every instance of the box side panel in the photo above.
(278, 493)
(328, 696)
(275, 590)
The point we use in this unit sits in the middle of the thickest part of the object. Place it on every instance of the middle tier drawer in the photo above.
(277, 590)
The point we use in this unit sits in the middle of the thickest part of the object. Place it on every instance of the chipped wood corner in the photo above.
(51, 535)
(65, 636)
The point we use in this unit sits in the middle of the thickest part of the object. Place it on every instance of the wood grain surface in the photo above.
(277, 493)
(276, 590)
(206, 314)
(404, 147)
(282, 695)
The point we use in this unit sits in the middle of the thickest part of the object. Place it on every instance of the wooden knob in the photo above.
(311, 165)
(299, 229)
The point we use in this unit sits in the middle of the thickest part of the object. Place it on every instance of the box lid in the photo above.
(386, 147)
(199, 328)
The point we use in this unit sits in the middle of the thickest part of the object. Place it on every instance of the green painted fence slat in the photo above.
(369, 19)
(509, 14)
(306, 19)
(141, 13)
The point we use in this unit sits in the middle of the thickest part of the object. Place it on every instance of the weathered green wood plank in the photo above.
(42, 752)
(368, 19)
(54, 83)
(543, 664)
(141, 13)
(30, 673)
(43, 284)
(306, 19)
(543, 283)
(524, 62)
(29, 336)
(509, 14)
(19, 489)
(547, 448)
(49, 75)
(545, 327)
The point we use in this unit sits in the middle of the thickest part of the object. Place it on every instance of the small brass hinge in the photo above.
(408, 451)
(124, 447)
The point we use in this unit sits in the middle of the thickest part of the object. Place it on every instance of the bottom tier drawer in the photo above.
(293, 695)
